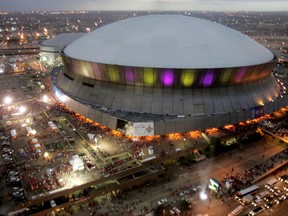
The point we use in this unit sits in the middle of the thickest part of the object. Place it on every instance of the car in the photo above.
(17, 194)
(14, 179)
(13, 174)
(262, 195)
(53, 204)
(256, 210)
(257, 202)
(17, 189)
(162, 201)
(176, 210)
(277, 191)
(8, 159)
(280, 199)
(283, 178)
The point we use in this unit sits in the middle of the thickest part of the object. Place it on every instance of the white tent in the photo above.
(37, 145)
(91, 136)
(77, 163)
(34, 140)
(28, 129)
(52, 125)
(13, 133)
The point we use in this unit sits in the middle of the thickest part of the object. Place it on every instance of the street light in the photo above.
(7, 100)
(22, 109)
(203, 196)
(46, 154)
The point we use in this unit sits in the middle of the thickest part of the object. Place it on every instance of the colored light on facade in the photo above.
(167, 77)
(96, 71)
(208, 78)
(149, 77)
(129, 75)
(86, 68)
(188, 77)
(112, 73)
(240, 74)
(226, 75)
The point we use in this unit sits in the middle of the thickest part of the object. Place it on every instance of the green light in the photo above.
(149, 77)
(226, 75)
(188, 77)
(112, 73)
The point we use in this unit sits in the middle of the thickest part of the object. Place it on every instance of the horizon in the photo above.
(144, 5)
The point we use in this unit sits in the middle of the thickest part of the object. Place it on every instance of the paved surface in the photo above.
(198, 174)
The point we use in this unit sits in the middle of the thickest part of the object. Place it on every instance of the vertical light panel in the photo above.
(84, 68)
(129, 75)
(149, 76)
(167, 77)
(253, 74)
(188, 77)
(208, 78)
(112, 73)
(226, 74)
(76, 69)
(239, 75)
(96, 71)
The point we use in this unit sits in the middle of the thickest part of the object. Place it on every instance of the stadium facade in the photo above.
(161, 74)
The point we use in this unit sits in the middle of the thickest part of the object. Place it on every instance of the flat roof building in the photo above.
(50, 49)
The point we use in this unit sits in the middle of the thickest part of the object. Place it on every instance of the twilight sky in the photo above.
(218, 5)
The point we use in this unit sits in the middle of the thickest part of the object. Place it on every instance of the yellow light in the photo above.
(149, 77)
(113, 73)
(188, 78)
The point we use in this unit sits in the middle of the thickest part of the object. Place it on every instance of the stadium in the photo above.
(162, 74)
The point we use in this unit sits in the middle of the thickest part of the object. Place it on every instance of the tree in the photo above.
(161, 210)
(185, 205)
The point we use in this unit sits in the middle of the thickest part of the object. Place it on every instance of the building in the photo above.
(50, 49)
(161, 74)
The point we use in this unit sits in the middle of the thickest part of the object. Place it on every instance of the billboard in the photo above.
(142, 129)
(214, 185)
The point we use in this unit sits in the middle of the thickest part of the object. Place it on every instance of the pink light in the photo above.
(129, 75)
(167, 77)
(240, 74)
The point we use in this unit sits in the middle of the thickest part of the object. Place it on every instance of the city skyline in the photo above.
(189, 5)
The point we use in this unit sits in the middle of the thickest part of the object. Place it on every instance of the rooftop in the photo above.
(168, 41)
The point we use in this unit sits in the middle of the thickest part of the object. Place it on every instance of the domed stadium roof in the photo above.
(168, 41)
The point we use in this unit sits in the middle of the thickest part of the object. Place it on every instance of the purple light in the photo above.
(167, 77)
(129, 75)
(208, 78)
(240, 75)
(96, 71)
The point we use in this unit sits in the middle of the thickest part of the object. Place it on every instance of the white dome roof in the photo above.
(168, 41)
